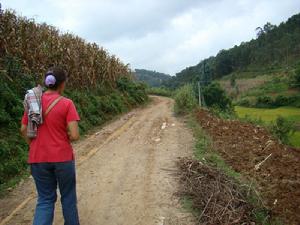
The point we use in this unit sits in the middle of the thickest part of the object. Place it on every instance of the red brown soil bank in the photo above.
(243, 145)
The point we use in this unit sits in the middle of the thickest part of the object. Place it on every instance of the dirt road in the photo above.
(125, 173)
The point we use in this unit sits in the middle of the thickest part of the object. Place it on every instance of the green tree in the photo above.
(215, 96)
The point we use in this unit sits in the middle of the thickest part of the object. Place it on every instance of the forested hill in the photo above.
(152, 78)
(274, 48)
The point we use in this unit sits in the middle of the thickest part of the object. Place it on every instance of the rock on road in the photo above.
(125, 173)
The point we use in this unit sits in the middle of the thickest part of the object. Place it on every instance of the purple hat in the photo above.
(50, 80)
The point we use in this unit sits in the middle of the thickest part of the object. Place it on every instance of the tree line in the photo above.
(274, 48)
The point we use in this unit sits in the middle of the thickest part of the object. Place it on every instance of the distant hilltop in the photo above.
(152, 78)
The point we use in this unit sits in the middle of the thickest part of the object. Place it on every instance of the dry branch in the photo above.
(219, 198)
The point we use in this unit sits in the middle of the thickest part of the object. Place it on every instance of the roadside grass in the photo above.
(268, 116)
(205, 153)
(13, 182)
(185, 100)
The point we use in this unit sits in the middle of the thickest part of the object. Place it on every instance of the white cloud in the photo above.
(165, 36)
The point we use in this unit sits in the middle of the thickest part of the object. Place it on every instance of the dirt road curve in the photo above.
(125, 173)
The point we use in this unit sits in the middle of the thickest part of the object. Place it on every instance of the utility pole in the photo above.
(199, 92)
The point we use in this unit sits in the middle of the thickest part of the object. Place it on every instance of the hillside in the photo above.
(276, 48)
(152, 78)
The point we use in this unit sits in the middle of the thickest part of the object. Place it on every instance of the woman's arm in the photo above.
(23, 131)
(73, 130)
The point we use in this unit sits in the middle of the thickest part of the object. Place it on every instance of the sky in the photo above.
(161, 35)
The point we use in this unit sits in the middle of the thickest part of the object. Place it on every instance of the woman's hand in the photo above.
(23, 131)
(73, 130)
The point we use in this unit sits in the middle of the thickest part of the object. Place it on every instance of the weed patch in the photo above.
(185, 100)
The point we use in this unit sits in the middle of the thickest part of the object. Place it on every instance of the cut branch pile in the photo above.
(219, 199)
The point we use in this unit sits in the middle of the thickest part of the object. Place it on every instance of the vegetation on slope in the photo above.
(151, 78)
(264, 92)
(100, 85)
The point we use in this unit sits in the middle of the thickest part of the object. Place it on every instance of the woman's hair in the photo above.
(54, 77)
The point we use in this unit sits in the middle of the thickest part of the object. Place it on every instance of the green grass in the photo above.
(295, 139)
(270, 115)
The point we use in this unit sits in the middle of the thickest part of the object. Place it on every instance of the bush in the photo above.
(264, 102)
(136, 91)
(244, 102)
(282, 100)
(282, 129)
(215, 97)
(185, 100)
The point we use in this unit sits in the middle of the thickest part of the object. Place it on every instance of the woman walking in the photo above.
(49, 124)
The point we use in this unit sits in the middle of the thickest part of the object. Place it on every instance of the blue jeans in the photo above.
(47, 176)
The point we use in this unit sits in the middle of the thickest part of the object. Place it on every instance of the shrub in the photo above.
(136, 91)
(264, 102)
(185, 100)
(216, 97)
(282, 100)
(244, 102)
(282, 129)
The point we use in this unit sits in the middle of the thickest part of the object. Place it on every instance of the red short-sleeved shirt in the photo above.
(52, 143)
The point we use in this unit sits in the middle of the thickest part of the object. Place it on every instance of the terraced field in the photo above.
(269, 115)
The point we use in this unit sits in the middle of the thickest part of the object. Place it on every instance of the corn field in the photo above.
(39, 45)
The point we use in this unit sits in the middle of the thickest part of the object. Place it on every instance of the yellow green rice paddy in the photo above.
(269, 115)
